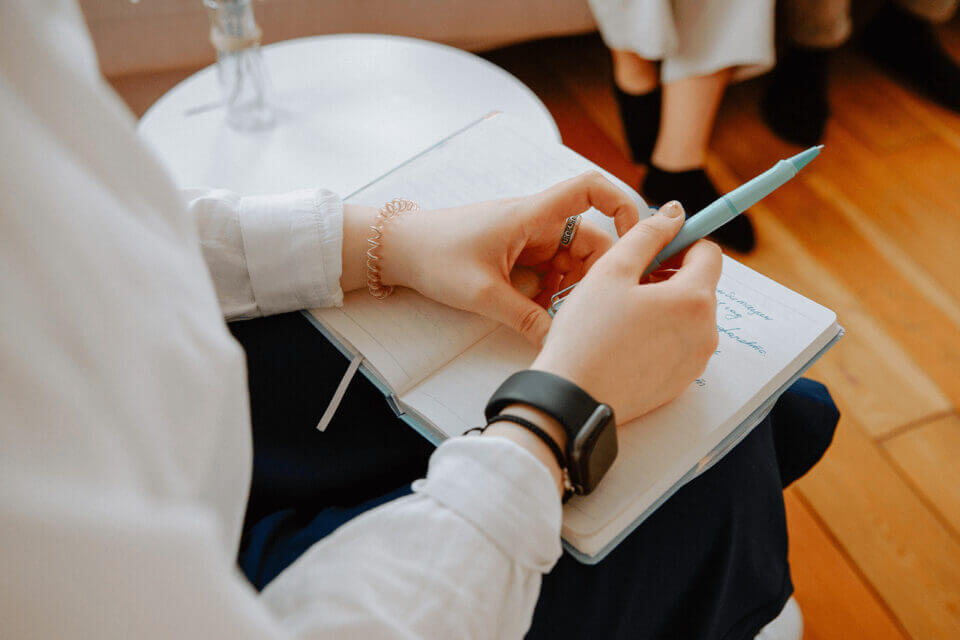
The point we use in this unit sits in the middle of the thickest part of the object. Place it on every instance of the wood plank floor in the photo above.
(872, 230)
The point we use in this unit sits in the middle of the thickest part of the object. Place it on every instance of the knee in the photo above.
(634, 74)
(817, 392)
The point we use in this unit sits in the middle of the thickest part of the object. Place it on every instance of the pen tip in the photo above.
(803, 158)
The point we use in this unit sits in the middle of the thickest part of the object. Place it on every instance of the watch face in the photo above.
(593, 450)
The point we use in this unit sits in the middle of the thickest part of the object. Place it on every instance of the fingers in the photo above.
(590, 243)
(700, 267)
(637, 249)
(518, 312)
(587, 247)
(549, 285)
(591, 189)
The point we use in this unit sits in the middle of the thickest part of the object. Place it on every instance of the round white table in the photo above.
(348, 109)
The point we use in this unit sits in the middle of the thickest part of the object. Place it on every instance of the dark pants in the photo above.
(710, 563)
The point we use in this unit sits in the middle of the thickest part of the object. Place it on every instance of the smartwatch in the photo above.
(589, 425)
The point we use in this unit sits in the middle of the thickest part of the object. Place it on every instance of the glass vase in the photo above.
(240, 69)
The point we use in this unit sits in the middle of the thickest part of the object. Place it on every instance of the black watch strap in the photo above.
(559, 398)
(545, 437)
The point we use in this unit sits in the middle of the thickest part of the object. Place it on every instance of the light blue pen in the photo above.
(721, 211)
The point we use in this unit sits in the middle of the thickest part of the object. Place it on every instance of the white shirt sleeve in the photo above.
(461, 558)
(271, 254)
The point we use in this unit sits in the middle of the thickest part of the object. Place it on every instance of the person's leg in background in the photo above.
(901, 38)
(672, 62)
(795, 106)
(676, 169)
(668, 129)
(636, 84)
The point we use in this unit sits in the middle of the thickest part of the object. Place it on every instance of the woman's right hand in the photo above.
(637, 346)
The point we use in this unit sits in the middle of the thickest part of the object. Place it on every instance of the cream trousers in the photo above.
(691, 37)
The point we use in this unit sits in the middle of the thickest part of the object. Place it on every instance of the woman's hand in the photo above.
(637, 346)
(463, 257)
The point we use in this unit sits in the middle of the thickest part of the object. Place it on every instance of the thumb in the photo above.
(520, 313)
(641, 244)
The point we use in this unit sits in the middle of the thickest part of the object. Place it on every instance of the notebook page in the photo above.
(489, 160)
(765, 332)
(453, 398)
(407, 336)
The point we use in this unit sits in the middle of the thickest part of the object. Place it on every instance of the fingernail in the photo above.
(672, 209)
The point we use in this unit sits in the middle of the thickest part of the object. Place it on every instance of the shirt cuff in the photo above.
(293, 245)
(504, 491)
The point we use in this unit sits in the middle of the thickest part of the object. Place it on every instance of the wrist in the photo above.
(560, 367)
(529, 441)
(589, 424)
(546, 422)
(397, 249)
(356, 229)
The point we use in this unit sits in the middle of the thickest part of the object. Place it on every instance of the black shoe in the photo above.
(695, 191)
(795, 106)
(908, 49)
(641, 121)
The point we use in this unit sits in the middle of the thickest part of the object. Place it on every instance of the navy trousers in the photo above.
(710, 563)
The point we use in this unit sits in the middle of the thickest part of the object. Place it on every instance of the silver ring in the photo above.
(569, 231)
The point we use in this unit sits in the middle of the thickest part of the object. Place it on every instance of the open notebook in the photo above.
(437, 366)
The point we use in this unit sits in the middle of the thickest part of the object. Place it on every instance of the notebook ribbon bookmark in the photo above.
(341, 391)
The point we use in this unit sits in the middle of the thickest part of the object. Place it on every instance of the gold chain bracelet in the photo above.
(392, 209)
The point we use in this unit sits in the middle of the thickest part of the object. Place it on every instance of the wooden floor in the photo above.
(872, 230)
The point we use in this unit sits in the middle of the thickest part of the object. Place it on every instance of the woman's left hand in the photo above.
(463, 257)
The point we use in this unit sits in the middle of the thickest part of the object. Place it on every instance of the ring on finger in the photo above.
(569, 230)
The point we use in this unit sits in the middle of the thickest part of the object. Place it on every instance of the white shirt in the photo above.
(125, 448)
